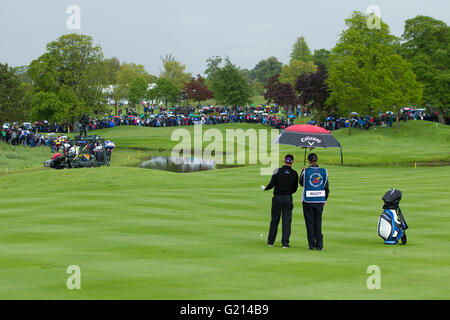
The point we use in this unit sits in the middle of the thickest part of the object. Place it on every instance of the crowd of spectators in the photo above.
(22, 136)
(383, 120)
(43, 133)
(207, 115)
(62, 145)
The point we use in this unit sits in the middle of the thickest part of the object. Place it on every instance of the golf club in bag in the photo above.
(392, 224)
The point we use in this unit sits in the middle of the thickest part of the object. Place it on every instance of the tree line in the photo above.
(369, 70)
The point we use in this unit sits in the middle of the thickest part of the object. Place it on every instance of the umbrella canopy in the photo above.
(56, 155)
(308, 136)
(292, 116)
(329, 118)
(109, 145)
(312, 122)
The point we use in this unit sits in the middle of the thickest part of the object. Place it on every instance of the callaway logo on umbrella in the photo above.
(308, 136)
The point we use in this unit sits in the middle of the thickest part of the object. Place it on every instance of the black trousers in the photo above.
(313, 221)
(282, 206)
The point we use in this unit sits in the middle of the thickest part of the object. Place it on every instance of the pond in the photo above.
(180, 165)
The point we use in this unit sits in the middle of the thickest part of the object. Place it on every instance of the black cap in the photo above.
(312, 157)
(289, 158)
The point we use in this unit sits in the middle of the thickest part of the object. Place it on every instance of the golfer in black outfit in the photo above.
(312, 210)
(284, 180)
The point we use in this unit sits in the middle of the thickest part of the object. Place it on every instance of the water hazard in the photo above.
(180, 165)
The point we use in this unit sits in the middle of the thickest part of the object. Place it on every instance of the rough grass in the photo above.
(16, 158)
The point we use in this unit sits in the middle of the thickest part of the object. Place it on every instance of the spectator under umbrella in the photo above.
(56, 155)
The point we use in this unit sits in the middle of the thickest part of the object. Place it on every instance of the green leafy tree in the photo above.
(12, 94)
(112, 66)
(266, 69)
(246, 74)
(295, 69)
(165, 91)
(73, 69)
(137, 90)
(427, 47)
(48, 106)
(349, 83)
(229, 87)
(125, 75)
(321, 57)
(359, 67)
(301, 51)
(212, 67)
(27, 101)
(400, 87)
(22, 73)
(44, 73)
(174, 71)
(258, 87)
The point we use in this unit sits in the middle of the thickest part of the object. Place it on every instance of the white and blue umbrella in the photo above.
(109, 145)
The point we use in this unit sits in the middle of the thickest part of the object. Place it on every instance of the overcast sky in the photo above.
(141, 31)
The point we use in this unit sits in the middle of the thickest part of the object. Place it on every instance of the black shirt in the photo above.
(327, 189)
(284, 180)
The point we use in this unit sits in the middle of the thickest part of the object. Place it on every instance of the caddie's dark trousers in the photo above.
(281, 207)
(313, 221)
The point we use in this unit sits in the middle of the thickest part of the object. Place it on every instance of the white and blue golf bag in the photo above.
(392, 224)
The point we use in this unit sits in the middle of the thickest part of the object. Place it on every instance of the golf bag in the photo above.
(392, 224)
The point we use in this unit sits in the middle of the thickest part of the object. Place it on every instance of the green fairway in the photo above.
(148, 234)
